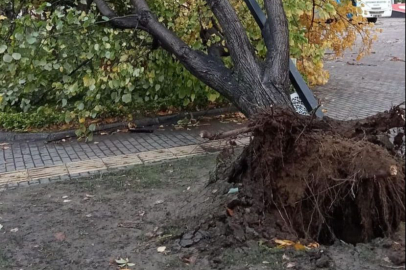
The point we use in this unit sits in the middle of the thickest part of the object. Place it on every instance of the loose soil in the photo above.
(88, 223)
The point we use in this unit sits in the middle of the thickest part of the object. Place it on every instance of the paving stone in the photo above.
(47, 172)
(85, 166)
(122, 160)
(13, 177)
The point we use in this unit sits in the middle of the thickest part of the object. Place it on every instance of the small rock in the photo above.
(187, 240)
(159, 202)
(161, 249)
(323, 262)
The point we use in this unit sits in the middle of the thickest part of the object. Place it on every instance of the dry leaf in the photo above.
(313, 245)
(60, 236)
(299, 246)
(14, 230)
(284, 243)
(230, 212)
(290, 265)
(189, 259)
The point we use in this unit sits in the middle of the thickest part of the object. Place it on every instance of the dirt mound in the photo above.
(321, 180)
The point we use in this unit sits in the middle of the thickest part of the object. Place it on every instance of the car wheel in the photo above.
(372, 20)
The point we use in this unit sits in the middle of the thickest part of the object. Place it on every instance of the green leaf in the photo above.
(16, 56)
(3, 48)
(7, 58)
(127, 98)
(92, 127)
(121, 261)
(89, 137)
(31, 40)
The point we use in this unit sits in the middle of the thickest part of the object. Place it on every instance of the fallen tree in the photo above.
(313, 178)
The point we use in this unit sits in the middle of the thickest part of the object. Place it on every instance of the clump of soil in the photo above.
(320, 179)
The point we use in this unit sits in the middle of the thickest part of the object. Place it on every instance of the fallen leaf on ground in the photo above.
(66, 201)
(189, 259)
(14, 230)
(299, 246)
(284, 243)
(230, 212)
(161, 249)
(290, 265)
(60, 236)
(1, 227)
(313, 245)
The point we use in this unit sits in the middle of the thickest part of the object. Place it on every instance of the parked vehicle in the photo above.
(374, 9)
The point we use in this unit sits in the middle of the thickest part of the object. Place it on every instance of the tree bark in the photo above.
(251, 85)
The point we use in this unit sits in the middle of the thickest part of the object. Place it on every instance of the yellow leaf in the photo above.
(82, 120)
(284, 242)
(1, 98)
(313, 245)
(299, 246)
(2, 18)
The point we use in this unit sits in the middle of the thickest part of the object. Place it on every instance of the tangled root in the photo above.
(324, 179)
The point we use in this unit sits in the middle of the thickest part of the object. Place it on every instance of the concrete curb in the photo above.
(53, 136)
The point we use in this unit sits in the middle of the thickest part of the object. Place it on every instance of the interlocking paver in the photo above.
(377, 82)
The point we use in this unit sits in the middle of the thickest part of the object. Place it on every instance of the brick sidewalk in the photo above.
(354, 91)
(377, 82)
(27, 155)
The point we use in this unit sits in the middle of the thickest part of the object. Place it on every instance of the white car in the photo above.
(374, 9)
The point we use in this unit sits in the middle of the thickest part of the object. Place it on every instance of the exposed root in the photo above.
(322, 179)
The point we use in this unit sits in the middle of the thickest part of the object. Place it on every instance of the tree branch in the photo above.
(122, 22)
(241, 50)
(227, 134)
(277, 42)
(205, 67)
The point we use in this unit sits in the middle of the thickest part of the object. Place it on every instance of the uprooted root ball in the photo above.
(321, 179)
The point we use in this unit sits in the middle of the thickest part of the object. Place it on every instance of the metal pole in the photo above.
(296, 78)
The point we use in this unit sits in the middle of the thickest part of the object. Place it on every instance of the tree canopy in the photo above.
(70, 57)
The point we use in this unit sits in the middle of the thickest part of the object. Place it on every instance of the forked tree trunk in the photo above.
(252, 84)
